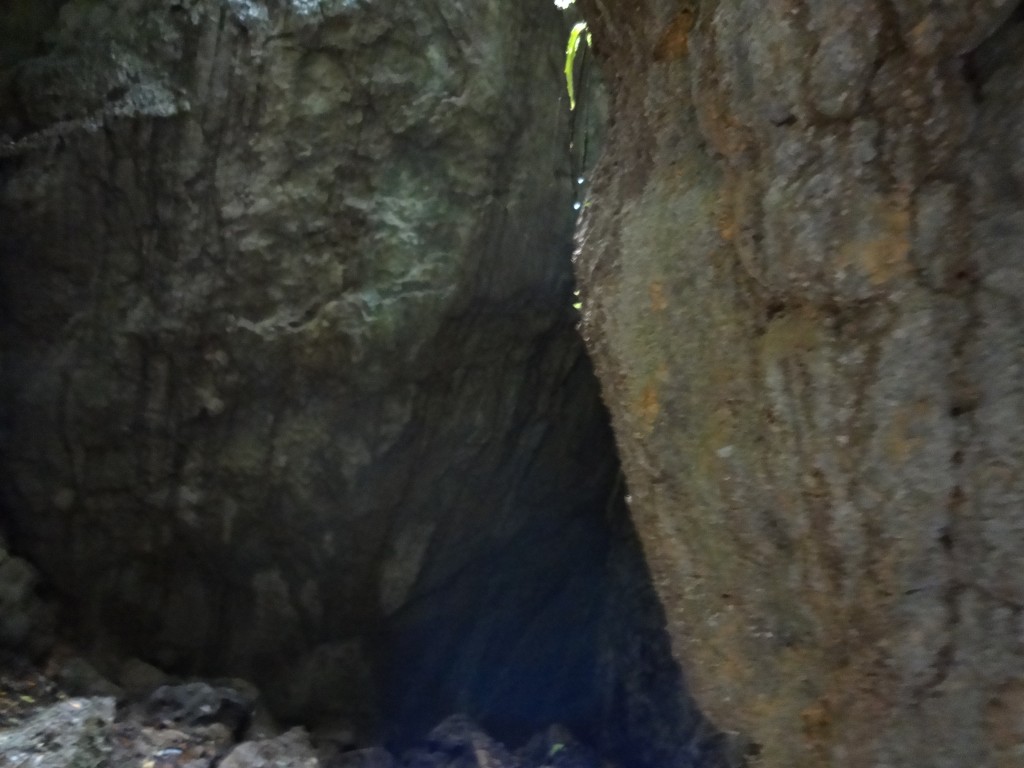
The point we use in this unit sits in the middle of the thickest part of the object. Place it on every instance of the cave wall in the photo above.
(291, 384)
(802, 288)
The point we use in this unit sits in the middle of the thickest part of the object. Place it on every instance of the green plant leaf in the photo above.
(579, 32)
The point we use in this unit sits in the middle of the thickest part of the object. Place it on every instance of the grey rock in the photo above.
(200, 703)
(289, 750)
(72, 734)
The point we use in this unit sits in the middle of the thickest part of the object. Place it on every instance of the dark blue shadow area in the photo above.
(560, 624)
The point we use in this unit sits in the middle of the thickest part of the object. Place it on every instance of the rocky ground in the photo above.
(57, 710)
(152, 721)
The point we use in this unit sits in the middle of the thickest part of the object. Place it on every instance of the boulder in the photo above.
(200, 703)
(289, 750)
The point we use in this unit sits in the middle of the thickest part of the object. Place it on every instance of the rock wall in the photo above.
(802, 288)
(291, 385)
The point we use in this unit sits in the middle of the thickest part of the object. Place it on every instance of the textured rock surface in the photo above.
(289, 750)
(802, 281)
(291, 386)
(86, 733)
(72, 734)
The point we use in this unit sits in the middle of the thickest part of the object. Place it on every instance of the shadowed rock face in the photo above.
(802, 281)
(290, 377)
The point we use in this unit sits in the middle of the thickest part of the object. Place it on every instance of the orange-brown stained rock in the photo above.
(1004, 724)
(674, 42)
(658, 300)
